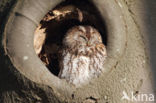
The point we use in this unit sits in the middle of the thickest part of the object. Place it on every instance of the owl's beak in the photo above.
(88, 43)
(88, 36)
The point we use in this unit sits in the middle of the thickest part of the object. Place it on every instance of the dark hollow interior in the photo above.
(55, 30)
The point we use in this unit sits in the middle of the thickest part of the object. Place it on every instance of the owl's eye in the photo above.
(83, 37)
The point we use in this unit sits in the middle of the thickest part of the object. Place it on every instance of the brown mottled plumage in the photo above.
(82, 55)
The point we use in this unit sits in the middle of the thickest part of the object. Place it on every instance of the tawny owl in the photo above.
(82, 56)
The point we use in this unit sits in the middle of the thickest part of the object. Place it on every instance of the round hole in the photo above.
(52, 28)
(22, 22)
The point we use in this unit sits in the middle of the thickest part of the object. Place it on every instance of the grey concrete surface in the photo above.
(150, 21)
(131, 65)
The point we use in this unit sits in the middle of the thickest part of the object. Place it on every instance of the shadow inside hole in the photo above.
(56, 29)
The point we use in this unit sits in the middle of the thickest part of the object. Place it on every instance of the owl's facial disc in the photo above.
(82, 36)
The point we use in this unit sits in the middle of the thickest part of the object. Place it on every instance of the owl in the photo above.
(82, 55)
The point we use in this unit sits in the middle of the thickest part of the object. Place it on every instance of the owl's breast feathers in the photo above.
(79, 68)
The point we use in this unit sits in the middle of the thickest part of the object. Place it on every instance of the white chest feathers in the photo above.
(79, 70)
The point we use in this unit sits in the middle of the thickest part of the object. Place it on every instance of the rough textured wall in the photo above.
(131, 73)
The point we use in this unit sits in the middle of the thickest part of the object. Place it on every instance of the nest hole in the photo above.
(52, 28)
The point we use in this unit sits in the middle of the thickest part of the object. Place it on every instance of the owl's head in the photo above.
(82, 37)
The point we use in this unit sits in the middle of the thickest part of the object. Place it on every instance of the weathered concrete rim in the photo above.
(18, 42)
(116, 41)
(19, 39)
